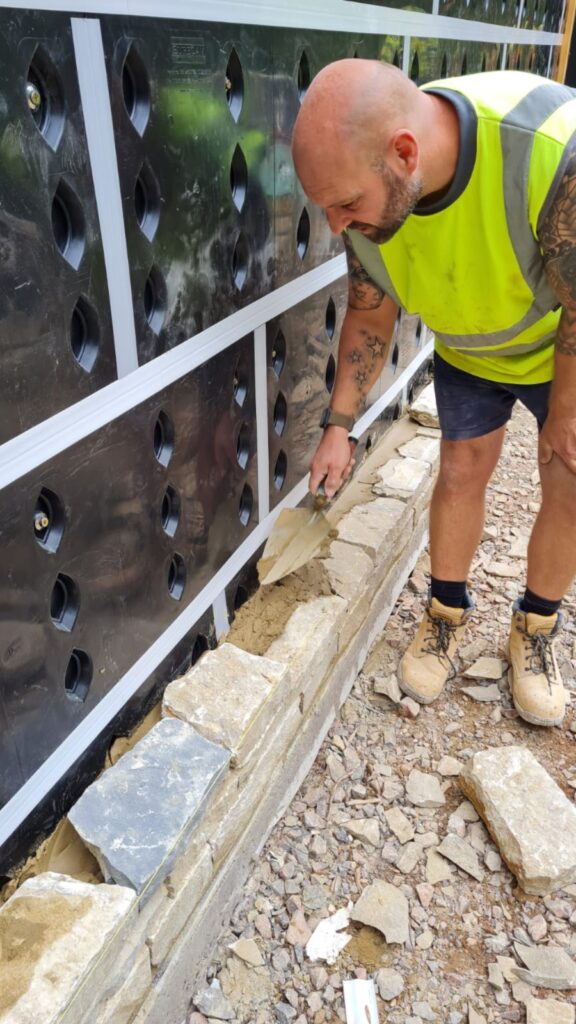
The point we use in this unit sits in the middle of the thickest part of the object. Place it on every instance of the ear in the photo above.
(403, 151)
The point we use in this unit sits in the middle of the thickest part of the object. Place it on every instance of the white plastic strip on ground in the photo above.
(74, 746)
(95, 101)
(46, 440)
(327, 15)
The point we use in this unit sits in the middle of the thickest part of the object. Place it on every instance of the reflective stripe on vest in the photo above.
(516, 129)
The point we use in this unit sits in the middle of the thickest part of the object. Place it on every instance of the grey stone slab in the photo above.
(528, 815)
(137, 815)
(461, 853)
(547, 966)
(384, 907)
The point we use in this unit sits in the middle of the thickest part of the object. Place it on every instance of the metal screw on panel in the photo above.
(34, 97)
(41, 521)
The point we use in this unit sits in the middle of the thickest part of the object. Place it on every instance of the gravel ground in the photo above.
(338, 835)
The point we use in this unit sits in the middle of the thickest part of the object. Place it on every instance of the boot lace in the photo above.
(540, 660)
(438, 640)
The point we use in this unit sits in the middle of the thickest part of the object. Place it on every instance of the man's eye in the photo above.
(350, 206)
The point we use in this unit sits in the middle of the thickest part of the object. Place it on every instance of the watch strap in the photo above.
(336, 419)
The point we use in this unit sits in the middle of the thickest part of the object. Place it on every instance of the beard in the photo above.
(403, 197)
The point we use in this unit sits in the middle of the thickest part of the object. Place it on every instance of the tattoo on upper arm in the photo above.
(557, 236)
(363, 292)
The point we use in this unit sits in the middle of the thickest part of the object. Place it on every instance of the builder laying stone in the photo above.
(456, 202)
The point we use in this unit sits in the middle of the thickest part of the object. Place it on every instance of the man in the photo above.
(458, 202)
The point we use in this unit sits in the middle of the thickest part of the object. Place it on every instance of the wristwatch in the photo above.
(336, 419)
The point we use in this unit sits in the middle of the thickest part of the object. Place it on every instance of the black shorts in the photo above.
(470, 406)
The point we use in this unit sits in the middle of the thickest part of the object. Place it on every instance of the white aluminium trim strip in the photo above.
(406, 55)
(63, 758)
(327, 15)
(220, 613)
(261, 386)
(95, 99)
(24, 453)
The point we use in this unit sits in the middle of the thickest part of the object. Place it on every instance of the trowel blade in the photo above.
(297, 535)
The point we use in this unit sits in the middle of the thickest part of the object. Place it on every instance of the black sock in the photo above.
(453, 595)
(534, 604)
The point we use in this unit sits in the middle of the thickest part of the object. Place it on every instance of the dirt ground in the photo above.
(312, 865)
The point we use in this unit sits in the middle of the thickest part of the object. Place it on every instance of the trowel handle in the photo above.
(320, 498)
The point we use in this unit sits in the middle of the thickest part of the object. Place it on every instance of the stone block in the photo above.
(348, 569)
(424, 409)
(52, 932)
(527, 814)
(401, 478)
(140, 813)
(376, 526)
(229, 697)
(177, 898)
(310, 640)
(121, 1007)
(424, 449)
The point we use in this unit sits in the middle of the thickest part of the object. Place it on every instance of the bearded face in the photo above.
(403, 196)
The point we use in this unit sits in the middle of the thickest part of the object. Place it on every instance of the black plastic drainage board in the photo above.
(170, 307)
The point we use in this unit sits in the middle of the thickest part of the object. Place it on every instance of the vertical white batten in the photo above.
(220, 613)
(261, 386)
(95, 100)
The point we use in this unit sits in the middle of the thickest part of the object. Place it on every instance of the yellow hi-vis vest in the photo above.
(474, 269)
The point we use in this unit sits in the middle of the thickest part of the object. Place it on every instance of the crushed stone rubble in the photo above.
(385, 868)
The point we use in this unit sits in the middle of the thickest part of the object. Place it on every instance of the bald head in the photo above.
(368, 145)
(356, 105)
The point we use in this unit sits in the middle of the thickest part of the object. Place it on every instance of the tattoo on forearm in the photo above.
(363, 292)
(557, 235)
(366, 358)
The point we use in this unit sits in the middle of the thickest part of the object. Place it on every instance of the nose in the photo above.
(337, 220)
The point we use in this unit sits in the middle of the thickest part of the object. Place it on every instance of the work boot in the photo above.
(427, 663)
(535, 681)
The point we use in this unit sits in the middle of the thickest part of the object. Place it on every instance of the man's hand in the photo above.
(333, 461)
(558, 436)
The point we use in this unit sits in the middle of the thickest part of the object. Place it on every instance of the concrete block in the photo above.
(52, 932)
(177, 898)
(401, 478)
(229, 697)
(140, 813)
(122, 1006)
(375, 526)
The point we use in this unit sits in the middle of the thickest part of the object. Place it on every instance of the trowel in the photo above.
(295, 538)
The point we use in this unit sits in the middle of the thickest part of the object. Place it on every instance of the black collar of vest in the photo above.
(466, 156)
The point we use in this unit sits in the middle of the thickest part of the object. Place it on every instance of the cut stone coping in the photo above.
(527, 814)
(52, 931)
(138, 814)
(229, 697)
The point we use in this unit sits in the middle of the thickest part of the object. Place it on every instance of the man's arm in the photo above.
(364, 341)
(558, 240)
